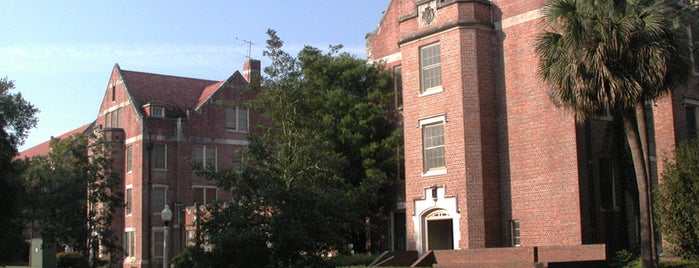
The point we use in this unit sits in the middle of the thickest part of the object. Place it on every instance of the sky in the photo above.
(60, 53)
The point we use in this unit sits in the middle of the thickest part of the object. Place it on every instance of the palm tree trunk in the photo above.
(643, 137)
(635, 145)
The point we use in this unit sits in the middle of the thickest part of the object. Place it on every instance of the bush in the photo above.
(71, 260)
(676, 200)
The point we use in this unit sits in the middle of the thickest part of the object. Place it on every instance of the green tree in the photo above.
(17, 117)
(74, 194)
(677, 204)
(614, 55)
(319, 166)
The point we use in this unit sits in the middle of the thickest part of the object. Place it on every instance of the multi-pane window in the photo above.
(113, 119)
(430, 68)
(237, 119)
(158, 198)
(433, 144)
(398, 86)
(158, 239)
(128, 199)
(205, 156)
(130, 242)
(157, 111)
(204, 194)
(160, 156)
(514, 233)
(692, 115)
(129, 159)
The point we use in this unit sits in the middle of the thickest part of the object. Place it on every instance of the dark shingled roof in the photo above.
(171, 91)
(44, 148)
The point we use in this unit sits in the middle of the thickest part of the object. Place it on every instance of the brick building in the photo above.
(157, 124)
(490, 162)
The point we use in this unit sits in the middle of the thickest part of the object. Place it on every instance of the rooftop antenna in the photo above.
(248, 43)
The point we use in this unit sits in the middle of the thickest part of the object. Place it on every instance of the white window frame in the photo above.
(157, 111)
(424, 90)
(165, 189)
(426, 122)
(204, 161)
(155, 167)
(128, 202)
(236, 113)
(129, 159)
(515, 233)
(129, 244)
(204, 192)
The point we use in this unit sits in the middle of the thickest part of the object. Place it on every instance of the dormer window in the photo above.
(157, 111)
(154, 110)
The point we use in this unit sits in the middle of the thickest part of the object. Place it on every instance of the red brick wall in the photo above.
(204, 128)
(540, 172)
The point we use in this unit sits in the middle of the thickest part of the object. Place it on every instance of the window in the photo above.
(433, 145)
(113, 119)
(128, 199)
(158, 198)
(129, 159)
(113, 93)
(158, 239)
(204, 194)
(514, 233)
(237, 119)
(692, 115)
(205, 156)
(430, 70)
(694, 45)
(398, 86)
(157, 111)
(129, 242)
(160, 156)
(607, 183)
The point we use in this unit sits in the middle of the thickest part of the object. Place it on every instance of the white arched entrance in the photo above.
(436, 221)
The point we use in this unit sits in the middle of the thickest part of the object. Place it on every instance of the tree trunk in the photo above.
(642, 127)
(644, 208)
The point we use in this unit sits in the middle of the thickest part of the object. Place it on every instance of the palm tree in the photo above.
(602, 56)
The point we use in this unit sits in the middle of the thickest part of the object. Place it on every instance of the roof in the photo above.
(44, 148)
(173, 91)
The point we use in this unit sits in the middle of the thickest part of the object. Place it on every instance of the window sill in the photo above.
(435, 172)
(236, 131)
(431, 91)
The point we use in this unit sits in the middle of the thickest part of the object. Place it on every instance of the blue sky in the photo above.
(60, 53)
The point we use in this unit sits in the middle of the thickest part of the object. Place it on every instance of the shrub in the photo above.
(71, 260)
(677, 204)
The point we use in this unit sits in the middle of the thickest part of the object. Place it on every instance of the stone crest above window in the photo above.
(427, 13)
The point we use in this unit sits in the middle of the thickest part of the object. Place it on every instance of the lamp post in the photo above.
(166, 215)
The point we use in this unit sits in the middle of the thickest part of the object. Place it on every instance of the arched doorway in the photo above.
(438, 230)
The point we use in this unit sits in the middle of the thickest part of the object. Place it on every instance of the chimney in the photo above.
(251, 69)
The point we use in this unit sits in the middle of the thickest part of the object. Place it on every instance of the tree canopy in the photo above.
(677, 201)
(74, 193)
(17, 117)
(318, 170)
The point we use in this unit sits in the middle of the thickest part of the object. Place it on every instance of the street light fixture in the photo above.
(166, 215)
